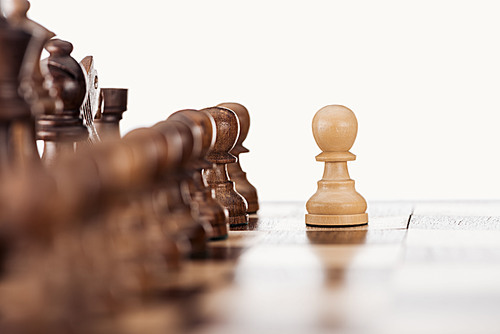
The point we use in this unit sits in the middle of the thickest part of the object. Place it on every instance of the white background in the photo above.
(423, 78)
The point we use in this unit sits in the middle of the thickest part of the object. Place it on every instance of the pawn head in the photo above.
(179, 139)
(147, 147)
(335, 128)
(244, 118)
(202, 126)
(227, 130)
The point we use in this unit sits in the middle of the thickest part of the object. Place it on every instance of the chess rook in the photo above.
(203, 202)
(227, 131)
(236, 173)
(336, 202)
(112, 105)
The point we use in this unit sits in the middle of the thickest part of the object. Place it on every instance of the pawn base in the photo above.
(336, 220)
(219, 232)
(238, 220)
(219, 237)
(253, 207)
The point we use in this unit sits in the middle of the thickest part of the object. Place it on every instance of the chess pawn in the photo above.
(227, 131)
(170, 200)
(236, 173)
(60, 131)
(150, 158)
(203, 202)
(112, 105)
(336, 202)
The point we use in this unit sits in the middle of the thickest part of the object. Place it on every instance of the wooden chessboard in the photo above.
(416, 268)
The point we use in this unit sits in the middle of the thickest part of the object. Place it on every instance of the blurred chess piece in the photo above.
(17, 142)
(227, 131)
(23, 305)
(62, 130)
(236, 173)
(33, 81)
(112, 105)
(336, 202)
(21, 43)
(141, 236)
(204, 204)
(170, 199)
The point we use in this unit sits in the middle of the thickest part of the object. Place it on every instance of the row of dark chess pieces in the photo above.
(101, 224)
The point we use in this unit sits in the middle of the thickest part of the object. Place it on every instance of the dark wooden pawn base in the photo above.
(220, 237)
(230, 199)
(243, 186)
(238, 221)
(253, 207)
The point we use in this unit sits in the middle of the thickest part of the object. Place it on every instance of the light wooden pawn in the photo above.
(336, 202)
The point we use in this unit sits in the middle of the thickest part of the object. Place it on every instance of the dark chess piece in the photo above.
(41, 99)
(227, 131)
(170, 196)
(17, 135)
(204, 203)
(13, 43)
(62, 130)
(21, 87)
(236, 173)
(112, 105)
(150, 159)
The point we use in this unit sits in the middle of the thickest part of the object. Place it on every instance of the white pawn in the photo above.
(336, 202)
